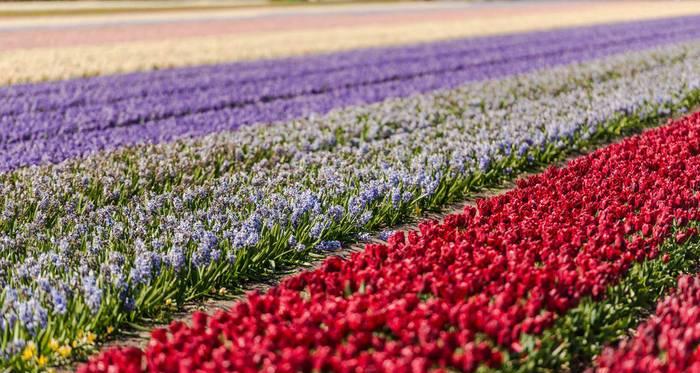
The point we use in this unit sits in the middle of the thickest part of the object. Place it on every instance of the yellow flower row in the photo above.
(31, 65)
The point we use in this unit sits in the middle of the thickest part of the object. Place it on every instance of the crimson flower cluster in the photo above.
(118, 359)
(667, 342)
(459, 294)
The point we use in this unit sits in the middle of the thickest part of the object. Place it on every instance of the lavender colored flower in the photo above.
(365, 218)
(336, 212)
(176, 258)
(32, 315)
(92, 293)
(484, 163)
(395, 197)
(142, 270)
(201, 256)
(58, 299)
(318, 228)
(329, 245)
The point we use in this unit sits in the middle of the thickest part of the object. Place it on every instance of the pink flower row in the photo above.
(667, 342)
(459, 294)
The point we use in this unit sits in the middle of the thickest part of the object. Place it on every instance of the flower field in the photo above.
(163, 159)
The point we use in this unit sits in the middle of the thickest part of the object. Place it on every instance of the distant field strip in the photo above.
(67, 62)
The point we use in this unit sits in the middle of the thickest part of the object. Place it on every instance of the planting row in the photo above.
(668, 342)
(52, 122)
(145, 228)
(463, 294)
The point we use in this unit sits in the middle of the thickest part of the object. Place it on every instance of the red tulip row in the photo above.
(460, 294)
(667, 342)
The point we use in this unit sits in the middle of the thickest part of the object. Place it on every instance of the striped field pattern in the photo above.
(154, 156)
